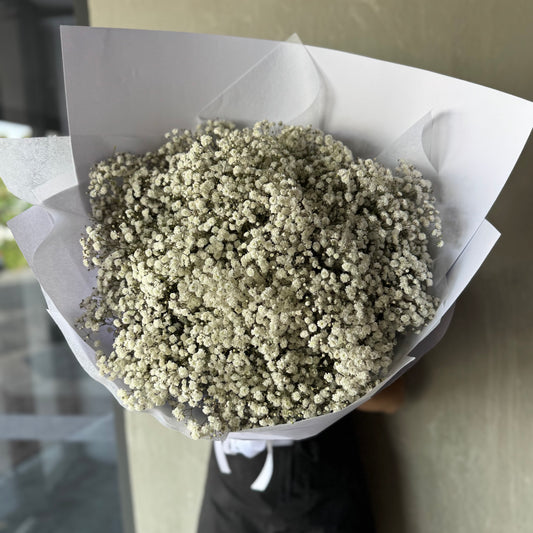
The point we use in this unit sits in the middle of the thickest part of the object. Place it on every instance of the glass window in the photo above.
(58, 448)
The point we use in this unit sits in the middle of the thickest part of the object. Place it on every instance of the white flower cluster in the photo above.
(261, 276)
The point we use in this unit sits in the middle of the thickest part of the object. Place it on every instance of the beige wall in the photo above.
(485, 41)
(457, 458)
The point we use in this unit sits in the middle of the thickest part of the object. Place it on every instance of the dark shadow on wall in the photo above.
(383, 471)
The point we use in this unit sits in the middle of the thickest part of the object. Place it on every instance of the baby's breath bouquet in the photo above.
(244, 276)
(260, 275)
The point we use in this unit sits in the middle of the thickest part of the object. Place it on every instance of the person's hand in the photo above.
(388, 400)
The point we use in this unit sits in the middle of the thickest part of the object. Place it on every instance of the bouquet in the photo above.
(260, 275)
(124, 89)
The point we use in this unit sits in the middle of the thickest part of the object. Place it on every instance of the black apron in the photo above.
(318, 486)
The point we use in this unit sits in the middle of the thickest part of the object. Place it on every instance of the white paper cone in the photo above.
(125, 88)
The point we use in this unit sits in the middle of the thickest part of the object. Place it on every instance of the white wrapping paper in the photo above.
(125, 88)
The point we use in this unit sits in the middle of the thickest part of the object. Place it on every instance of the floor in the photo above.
(58, 457)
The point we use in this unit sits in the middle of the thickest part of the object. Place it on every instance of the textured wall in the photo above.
(166, 475)
(457, 457)
(485, 41)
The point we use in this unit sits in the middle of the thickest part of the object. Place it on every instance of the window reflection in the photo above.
(57, 447)
(58, 457)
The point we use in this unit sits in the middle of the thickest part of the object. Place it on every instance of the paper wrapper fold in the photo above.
(126, 88)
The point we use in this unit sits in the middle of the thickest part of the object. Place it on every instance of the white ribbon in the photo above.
(250, 449)
(264, 477)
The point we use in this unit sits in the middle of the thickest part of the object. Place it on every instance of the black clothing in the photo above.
(318, 486)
